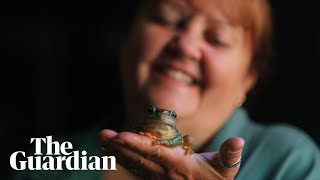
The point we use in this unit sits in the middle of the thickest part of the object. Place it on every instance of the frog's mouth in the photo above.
(169, 122)
(163, 120)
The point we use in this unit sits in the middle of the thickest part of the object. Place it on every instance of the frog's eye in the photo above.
(151, 110)
(173, 114)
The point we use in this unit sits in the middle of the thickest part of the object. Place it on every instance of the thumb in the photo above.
(227, 161)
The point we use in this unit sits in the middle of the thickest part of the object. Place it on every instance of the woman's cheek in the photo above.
(213, 67)
(151, 45)
(147, 48)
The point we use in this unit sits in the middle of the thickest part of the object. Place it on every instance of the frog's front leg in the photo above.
(175, 141)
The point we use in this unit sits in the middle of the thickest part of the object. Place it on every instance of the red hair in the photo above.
(255, 17)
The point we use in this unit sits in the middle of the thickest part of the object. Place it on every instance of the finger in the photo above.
(228, 159)
(135, 162)
(105, 136)
(171, 161)
(131, 160)
(157, 153)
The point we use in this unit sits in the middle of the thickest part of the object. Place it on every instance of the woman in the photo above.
(201, 58)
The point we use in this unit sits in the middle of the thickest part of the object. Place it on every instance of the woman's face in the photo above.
(188, 60)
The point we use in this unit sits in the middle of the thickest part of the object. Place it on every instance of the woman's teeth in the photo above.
(178, 75)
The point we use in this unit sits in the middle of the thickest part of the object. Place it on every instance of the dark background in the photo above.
(58, 68)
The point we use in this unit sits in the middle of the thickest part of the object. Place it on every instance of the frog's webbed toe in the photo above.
(147, 134)
(188, 149)
(156, 142)
(188, 143)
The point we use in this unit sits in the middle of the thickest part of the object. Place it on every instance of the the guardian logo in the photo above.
(63, 157)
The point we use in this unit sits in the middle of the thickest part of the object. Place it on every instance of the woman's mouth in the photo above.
(178, 74)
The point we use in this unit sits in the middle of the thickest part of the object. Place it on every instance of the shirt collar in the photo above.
(236, 126)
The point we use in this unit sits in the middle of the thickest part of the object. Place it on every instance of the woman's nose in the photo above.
(186, 41)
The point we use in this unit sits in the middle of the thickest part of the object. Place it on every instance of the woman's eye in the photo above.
(162, 20)
(165, 21)
(169, 14)
(215, 40)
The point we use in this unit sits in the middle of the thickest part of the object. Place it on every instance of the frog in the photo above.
(160, 125)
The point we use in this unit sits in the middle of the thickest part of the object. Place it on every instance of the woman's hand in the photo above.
(140, 157)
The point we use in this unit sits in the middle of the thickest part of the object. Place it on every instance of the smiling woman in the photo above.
(201, 58)
(198, 59)
(183, 56)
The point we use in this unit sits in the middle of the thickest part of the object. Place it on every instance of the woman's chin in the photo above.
(182, 104)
